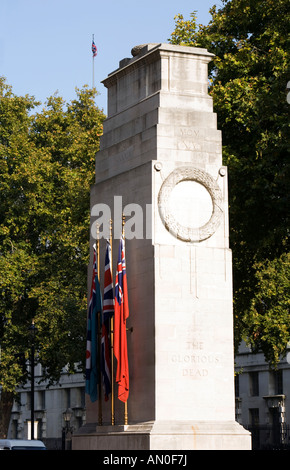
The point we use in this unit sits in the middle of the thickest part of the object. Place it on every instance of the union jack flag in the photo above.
(120, 316)
(95, 307)
(94, 49)
(108, 312)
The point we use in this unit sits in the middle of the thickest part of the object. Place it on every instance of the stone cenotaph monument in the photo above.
(160, 163)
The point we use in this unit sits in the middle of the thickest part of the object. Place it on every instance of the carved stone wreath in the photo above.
(182, 232)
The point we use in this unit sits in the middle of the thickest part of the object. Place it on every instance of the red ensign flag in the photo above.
(121, 314)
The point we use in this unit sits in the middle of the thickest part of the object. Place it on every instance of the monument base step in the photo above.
(164, 435)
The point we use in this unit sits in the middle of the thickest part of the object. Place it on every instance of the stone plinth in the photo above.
(166, 435)
(162, 151)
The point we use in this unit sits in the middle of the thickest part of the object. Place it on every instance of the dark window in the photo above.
(254, 384)
(278, 378)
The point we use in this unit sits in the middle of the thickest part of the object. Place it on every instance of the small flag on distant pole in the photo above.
(95, 52)
(120, 316)
(94, 49)
(95, 306)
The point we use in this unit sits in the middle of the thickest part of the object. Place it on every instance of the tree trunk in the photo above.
(6, 403)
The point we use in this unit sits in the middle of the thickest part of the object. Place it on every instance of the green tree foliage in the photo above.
(268, 315)
(185, 33)
(47, 161)
(249, 75)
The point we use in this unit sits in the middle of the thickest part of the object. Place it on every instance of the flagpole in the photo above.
(126, 402)
(93, 65)
(112, 341)
(99, 339)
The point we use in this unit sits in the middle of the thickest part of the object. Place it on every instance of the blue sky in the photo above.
(45, 45)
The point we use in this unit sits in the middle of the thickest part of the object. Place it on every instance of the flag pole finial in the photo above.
(123, 225)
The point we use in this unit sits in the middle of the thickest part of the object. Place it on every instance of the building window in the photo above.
(254, 384)
(14, 429)
(278, 380)
(237, 385)
(254, 416)
(80, 400)
(83, 397)
(29, 429)
(254, 427)
(28, 400)
(67, 397)
(40, 402)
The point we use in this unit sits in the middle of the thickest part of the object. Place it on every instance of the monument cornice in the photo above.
(149, 53)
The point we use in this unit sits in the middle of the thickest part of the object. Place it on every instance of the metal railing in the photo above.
(270, 437)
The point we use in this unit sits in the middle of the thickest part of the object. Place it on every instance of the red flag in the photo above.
(121, 314)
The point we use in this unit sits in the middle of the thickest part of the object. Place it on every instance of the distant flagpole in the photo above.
(95, 52)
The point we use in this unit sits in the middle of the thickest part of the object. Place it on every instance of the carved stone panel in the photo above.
(184, 231)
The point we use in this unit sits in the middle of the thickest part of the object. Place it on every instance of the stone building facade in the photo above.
(50, 405)
(262, 399)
